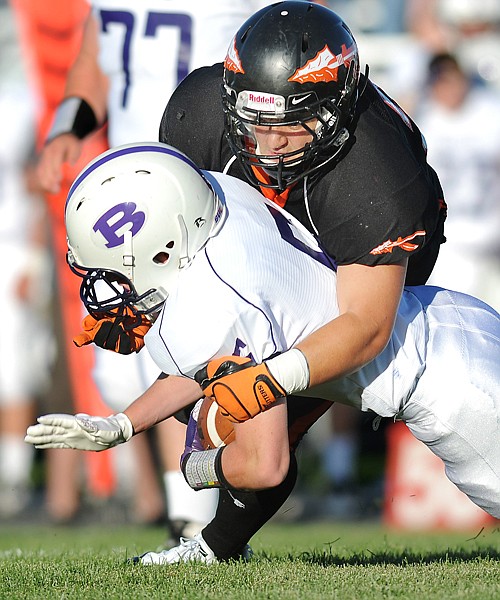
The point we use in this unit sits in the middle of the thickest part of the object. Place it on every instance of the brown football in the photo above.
(214, 429)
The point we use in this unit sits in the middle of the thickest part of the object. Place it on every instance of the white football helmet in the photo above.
(135, 216)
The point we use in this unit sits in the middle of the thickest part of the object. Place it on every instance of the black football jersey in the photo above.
(379, 203)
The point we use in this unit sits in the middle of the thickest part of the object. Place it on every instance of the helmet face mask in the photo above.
(292, 63)
(109, 293)
(135, 217)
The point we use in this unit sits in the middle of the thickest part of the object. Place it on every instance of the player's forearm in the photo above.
(368, 300)
(343, 346)
(86, 79)
(160, 401)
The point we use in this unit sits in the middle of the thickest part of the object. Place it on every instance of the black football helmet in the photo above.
(291, 63)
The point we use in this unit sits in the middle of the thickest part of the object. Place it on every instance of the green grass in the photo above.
(300, 560)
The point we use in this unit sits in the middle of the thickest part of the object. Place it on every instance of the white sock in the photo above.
(16, 458)
(183, 503)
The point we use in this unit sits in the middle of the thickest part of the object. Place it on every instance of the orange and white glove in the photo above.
(123, 334)
(244, 388)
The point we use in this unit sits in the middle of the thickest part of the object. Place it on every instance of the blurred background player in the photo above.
(24, 358)
(132, 57)
(51, 33)
(460, 118)
(466, 28)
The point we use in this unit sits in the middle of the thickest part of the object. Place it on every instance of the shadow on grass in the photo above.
(400, 556)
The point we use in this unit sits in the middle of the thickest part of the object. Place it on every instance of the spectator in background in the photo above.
(25, 344)
(460, 119)
(468, 28)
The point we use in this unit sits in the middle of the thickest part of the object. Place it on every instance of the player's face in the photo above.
(282, 139)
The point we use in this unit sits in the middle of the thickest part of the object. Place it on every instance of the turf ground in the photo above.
(294, 560)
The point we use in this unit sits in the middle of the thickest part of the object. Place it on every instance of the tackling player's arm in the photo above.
(82, 111)
(368, 299)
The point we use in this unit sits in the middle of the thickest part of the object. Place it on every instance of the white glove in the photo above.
(80, 432)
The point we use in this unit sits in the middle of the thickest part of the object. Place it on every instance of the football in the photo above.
(214, 429)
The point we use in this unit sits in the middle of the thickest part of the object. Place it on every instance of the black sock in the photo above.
(241, 514)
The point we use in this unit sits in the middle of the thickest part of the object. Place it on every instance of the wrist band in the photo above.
(203, 470)
(290, 370)
(74, 115)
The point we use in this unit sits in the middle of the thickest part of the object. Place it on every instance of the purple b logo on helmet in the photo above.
(116, 220)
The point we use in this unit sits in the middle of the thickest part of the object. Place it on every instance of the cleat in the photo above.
(247, 553)
(189, 550)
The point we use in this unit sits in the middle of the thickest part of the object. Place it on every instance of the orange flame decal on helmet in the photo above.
(233, 62)
(324, 66)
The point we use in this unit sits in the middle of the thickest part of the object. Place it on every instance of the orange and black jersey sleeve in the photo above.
(381, 202)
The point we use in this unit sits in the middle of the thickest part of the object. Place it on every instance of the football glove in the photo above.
(80, 432)
(240, 386)
(123, 334)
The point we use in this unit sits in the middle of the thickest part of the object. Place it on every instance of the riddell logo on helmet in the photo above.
(324, 66)
(266, 99)
(233, 62)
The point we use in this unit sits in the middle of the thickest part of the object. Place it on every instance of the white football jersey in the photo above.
(468, 163)
(145, 48)
(17, 124)
(261, 286)
(148, 47)
(464, 148)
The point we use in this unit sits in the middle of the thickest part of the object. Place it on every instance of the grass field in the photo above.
(296, 560)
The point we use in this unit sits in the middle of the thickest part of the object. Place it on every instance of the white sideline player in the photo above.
(25, 265)
(228, 273)
(133, 56)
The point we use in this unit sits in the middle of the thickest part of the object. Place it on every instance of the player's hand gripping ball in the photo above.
(241, 387)
(214, 429)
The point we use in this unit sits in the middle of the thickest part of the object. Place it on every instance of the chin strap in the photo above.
(279, 198)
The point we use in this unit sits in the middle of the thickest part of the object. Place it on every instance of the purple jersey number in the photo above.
(155, 20)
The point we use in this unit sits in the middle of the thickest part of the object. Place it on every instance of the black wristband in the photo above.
(74, 115)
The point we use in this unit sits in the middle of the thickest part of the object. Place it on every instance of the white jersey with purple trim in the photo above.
(263, 284)
(147, 48)
(260, 287)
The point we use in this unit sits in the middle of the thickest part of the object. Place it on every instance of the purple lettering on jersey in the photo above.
(184, 24)
(287, 234)
(126, 19)
(108, 225)
(239, 348)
